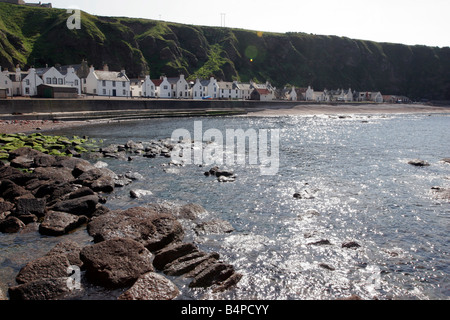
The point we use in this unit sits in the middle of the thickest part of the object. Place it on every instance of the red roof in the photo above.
(263, 91)
(157, 82)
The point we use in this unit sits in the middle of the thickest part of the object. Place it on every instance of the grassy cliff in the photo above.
(39, 36)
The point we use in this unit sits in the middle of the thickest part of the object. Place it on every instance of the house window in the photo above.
(123, 84)
(76, 82)
(55, 81)
(60, 81)
(124, 91)
(104, 91)
(165, 87)
(195, 94)
(185, 87)
(27, 82)
(7, 90)
(114, 83)
(49, 81)
(95, 91)
(27, 90)
(104, 83)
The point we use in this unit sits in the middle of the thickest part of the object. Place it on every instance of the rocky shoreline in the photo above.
(133, 250)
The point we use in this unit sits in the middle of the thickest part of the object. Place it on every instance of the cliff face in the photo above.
(39, 36)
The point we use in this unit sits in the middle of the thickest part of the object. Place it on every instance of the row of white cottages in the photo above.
(117, 84)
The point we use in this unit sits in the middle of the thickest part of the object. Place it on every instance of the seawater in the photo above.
(359, 188)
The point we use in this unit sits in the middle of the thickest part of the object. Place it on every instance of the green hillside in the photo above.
(39, 36)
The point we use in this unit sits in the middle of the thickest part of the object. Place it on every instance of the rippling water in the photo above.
(361, 189)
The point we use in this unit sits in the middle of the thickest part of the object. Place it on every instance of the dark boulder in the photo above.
(418, 163)
(322, 242)
(60, 174)
(154, 230)
(351, 244)
(59, 223)
(151, 286)
(30, 206)
(42, 289)
(171, 253)
(11, 225)
(79, 206)
(70, 249)
(214, 274)
(187, 263)
(11, 191)
(51, 266)
(116, 263)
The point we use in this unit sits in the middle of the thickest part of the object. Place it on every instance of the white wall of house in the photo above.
(198, 90)
(213, 88)
(309, 94)
(228, 90)
(182, 88)
(30, 83)
(377, 97)
(148, 88)
(53, 76)
(165, 89)
(5, 82)
(110, 88)
(71, 79)
(136, 89)
(293, 94)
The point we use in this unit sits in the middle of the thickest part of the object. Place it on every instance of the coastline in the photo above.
(20, 123)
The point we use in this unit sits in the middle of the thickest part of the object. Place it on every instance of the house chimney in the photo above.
(105, 67)
(123, 72)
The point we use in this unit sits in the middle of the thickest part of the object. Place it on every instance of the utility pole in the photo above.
(222, 19)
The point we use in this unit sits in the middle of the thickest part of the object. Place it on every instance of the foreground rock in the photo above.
(43, 289)
(116, 263)
(152, 229)
(151, 286)
(441, 193)
(59, 223)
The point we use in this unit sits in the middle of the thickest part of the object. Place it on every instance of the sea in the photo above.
(352, 182)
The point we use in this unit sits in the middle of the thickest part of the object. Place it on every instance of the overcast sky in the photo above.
(424, 22)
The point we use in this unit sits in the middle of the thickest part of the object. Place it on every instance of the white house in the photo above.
(71, 79)
(148, 88)
(309, 94)
(16, 77)
(6, 82)
(163, 88)
(198, 90)
(245, 90)
(180, 87)
(136, 88)
(261, 95)
(319, 96)
(50, 76)
(376, 97)
(289, 94)
(211, 88)
(30, 83)
(107, 83)
(228, 90)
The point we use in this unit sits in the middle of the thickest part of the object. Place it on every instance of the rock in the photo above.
(79, 206)
(11, 191)
(134, 176)
(441, 193)
(226, 179)
(2, 295)
(190, 211)
(350, 244)
(188, 263)
(326, 266)
(171, 253)
(154, 230)
(151, 286)
(103, 184)
(30, 206)
(22, 162)
(81, 192)
(139, 193)
(320, 242)
(214, 274)
(232, 281)
(5, 206)
(11, 225)
(59, 223)
(70, 249)
(51, 266)
(121, 181)
(44, 160)
(418, 163)
(216, 226)
(116, 263)
(100, 164)
(447, 160)
(60, 174)
(133, 146)
(81, 167)
(42, 289)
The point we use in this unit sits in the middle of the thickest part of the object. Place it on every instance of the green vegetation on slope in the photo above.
(39, 36)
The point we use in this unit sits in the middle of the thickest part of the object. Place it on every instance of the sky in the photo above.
(412, 22)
